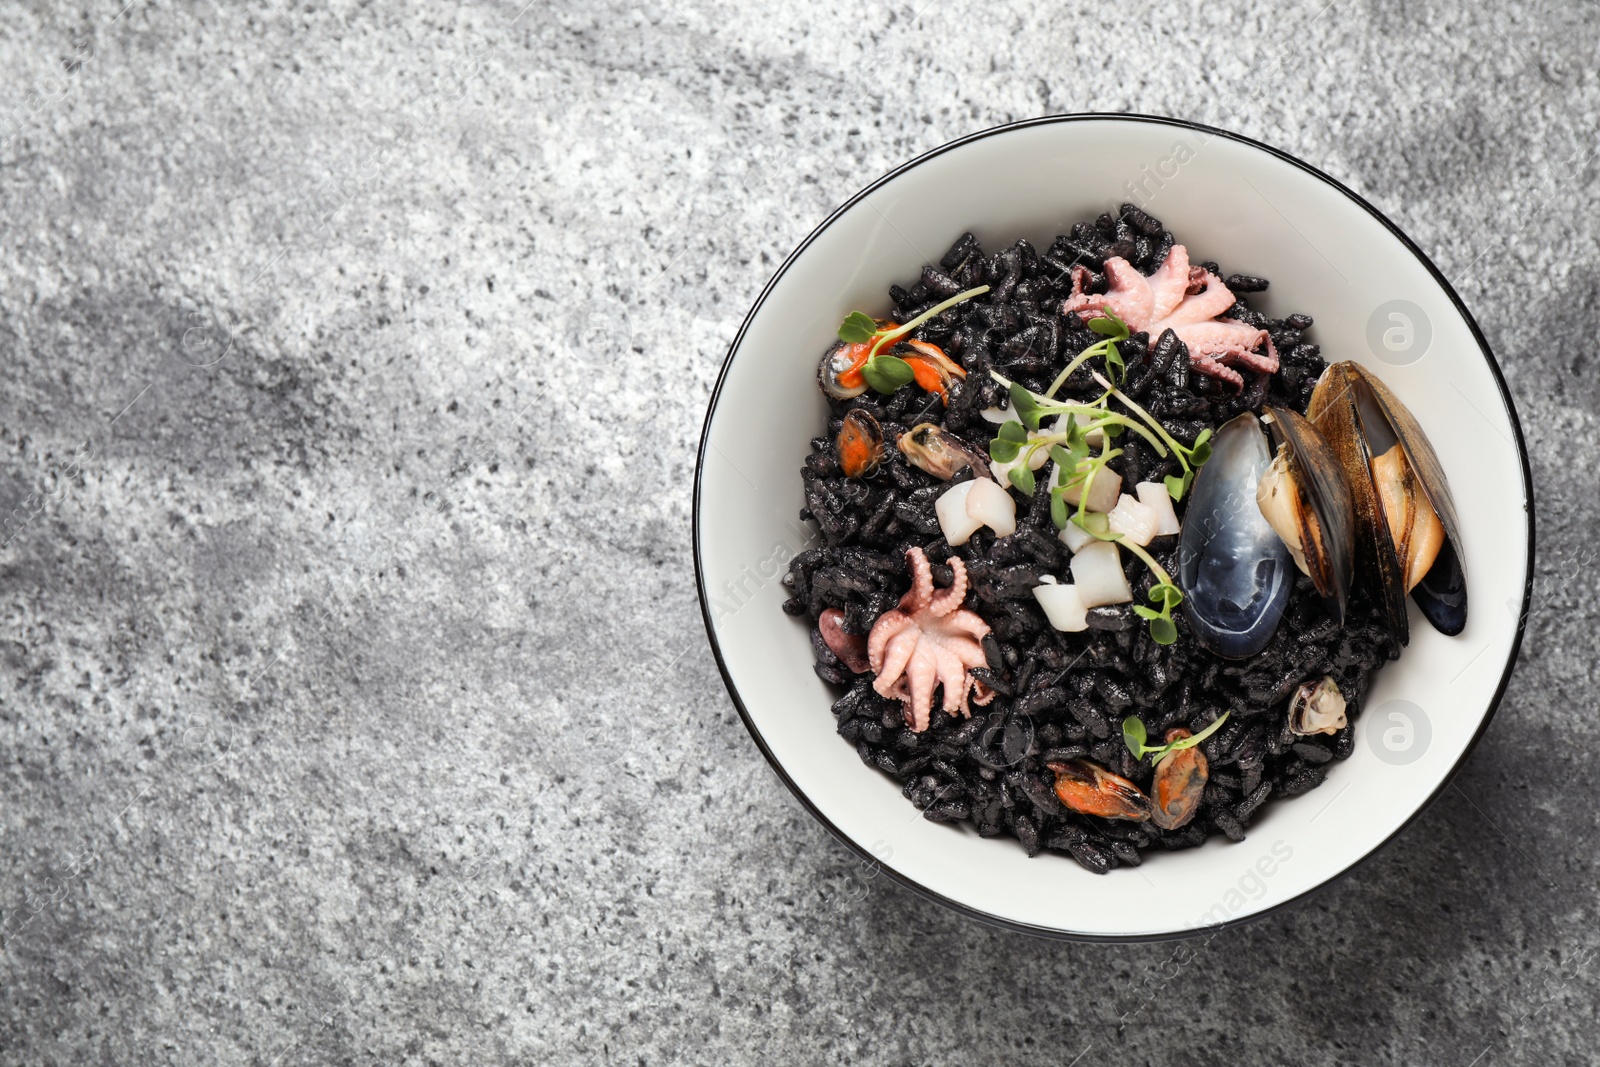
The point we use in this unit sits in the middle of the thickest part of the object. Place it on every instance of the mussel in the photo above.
(930, 367)
(1317, 708)
(1407, 535)
(1235, 571)
(1305, 497)
(859, 445)
(1090, 789)
(1178, 783)
(839, 373)
(931, 448)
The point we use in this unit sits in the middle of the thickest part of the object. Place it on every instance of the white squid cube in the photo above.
(1075, 536)
(951, 508)
(1154, 495)
(1133, 520)
(1062, 605)
(1103, 491)
(1097, 573)
(992, 506)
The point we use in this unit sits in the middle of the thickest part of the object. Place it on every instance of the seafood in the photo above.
(850, 648)
(929, 640)
(1305, 496)
(967, 507)
(1317, 708)
(1098, 575)
(1185, 300)
(839, 373)
(1062, 604)
(859, 444)
(1407, 533)
(1179, 782)
(1090, 789)
(929, 447)
(1235, 571)
(1063, 631)
(930, 367)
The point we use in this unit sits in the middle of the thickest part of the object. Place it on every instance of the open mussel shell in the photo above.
(836, 361)
(1319, 505)
(933, 449)
(1361, 420)
(1235, 571)
(859, 444)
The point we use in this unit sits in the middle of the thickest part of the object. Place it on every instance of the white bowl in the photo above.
(1255, 210)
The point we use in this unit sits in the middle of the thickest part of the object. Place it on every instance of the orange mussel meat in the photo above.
(1090, 789)
(859, 445)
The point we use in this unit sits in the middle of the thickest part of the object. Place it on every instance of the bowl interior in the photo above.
(1254, 212)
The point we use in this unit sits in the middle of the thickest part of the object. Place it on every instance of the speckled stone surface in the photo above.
(355, 705)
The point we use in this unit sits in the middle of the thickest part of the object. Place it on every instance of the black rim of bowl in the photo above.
(1046, 931)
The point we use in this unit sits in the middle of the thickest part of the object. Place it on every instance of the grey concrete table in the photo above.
(355, 704)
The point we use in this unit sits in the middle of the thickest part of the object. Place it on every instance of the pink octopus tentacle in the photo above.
(897, 657)
(890, 624)
(1170, 282)
(950, 598)
(1128, 295)
(1200, 308)
(953, 679)
(962, 621)
(921, 591)
(923, 674)
(1208, 366)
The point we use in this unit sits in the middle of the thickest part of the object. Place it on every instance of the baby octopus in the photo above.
(1185, 300)
(929, 640)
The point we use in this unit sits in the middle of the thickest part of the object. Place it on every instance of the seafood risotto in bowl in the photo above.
(1094, 488)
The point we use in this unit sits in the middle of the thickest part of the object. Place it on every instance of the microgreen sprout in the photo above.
(1133, 734)
(1191, 459)
(1076, 469)
(886, 373)
(1112, 329)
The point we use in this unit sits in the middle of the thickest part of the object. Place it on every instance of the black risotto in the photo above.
(1062, 696)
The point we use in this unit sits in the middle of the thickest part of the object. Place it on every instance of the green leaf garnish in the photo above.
(1163, 631)
(1177, 486)
(886, 373)
(857, 328)
(1134, 736)
(1058, 507)
(1022, 478)
(1025, 406)
(1003, 451)
(1106, 327)
(1006, 445)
